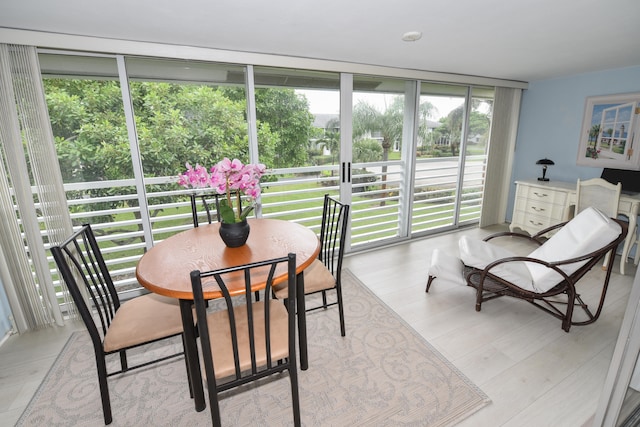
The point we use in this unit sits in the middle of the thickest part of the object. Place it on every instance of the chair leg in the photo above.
(636, 242)
(293, 376)
(187, 368)
(104, 388)
(343, 331)
(571, 300)
(215, 409)
(205, 345)
(123, 361)
(429, 283)
(479, 299)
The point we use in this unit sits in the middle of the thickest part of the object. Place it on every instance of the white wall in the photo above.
(551, 119)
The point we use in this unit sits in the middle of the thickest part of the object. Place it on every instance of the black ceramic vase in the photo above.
(234, 235)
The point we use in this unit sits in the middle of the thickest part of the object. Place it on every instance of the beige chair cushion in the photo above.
(316, 278)
(220, 333)
(145, 318)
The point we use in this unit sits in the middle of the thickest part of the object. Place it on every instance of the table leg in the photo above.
(302, 322)
(191, 354)
(628, 241)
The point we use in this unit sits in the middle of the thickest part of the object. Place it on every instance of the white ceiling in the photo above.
(524, 40)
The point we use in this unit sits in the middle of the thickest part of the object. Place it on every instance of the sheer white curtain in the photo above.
(504, 126)
(24, 122)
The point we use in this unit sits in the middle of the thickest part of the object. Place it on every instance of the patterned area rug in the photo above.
(381, 374)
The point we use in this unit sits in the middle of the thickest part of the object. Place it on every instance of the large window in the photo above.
(452, 144)
(379, 162)
(87, 116)
(300, 109)
(126, 126)
(185, 112)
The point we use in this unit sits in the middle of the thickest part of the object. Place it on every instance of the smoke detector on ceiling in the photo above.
(411, 36)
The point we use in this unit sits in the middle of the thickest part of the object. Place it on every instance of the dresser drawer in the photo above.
(532, 223)
(541, 208)
(546, 195)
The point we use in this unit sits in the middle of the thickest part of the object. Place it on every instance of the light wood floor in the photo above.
(534, 373)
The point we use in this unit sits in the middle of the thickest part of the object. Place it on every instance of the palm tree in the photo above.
(453, 123)
(331, 138)
(369, 121)
(426, 111)
(593, 134)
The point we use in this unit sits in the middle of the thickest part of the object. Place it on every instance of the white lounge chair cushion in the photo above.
(478, 254)
(447, 267)
(589, 231)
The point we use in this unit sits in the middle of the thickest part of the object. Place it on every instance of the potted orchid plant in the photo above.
(231, 178)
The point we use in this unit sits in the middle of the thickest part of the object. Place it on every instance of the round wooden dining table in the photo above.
(165, 269)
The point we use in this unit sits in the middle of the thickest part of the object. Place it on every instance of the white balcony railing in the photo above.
(291, 194)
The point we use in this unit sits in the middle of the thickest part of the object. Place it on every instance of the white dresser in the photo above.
(541, 204)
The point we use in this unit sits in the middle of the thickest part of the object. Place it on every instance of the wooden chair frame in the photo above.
(489, 286)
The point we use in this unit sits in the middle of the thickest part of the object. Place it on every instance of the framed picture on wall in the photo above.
(610, 132)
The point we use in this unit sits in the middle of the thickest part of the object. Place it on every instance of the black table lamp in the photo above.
(544, 162)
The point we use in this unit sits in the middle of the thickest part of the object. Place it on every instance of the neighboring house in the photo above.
(321, 121)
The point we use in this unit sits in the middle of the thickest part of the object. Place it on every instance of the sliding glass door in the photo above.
(419, 157)
(410, 163)
(301, 110)
(451, 151)
(185, 112)
(379, 164)
(87, 113)
(437, 172)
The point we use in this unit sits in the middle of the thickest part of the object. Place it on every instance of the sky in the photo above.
(328, 102)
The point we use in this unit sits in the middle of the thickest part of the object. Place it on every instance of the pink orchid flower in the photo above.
(231, 178)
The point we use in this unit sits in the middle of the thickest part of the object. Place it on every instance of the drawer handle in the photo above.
(540, 194)
(535, 223)
(537, 209)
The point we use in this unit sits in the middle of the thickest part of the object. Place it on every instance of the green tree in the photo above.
(174, 123)
(331, 138)
(593, 134)
(288, 117)
(479, 124)
(287, 114)
(425, 112)
(366, 150)
(368, 122)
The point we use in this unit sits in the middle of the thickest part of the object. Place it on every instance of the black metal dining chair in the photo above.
(210, 203)
(324, 274)
(114, 327)
(250, 340)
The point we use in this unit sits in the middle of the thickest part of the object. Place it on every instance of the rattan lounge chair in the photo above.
(548, 276)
